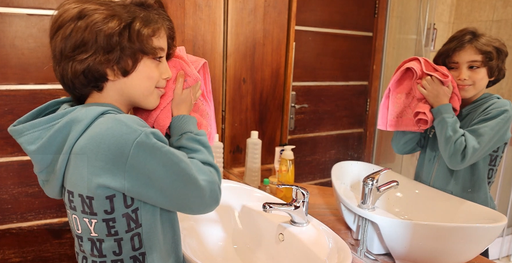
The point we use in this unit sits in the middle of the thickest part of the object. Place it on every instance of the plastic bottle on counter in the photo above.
(266, 185)
(273, 184)
(252, 174)
(277, 157)
(286, 173)
(218, 152)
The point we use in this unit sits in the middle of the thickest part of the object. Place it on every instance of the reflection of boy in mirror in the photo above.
(460, 154)
(122, 182)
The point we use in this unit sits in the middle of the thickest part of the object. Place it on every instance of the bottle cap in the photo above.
(254, 134)
(272, 179)
(287, 153)
(266, 181)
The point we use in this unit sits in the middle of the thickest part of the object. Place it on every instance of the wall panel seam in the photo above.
(27, 11)
(325, 133)
(335, 31)
(14, 159)
(30, 87)
(329, 83)
(34, 223)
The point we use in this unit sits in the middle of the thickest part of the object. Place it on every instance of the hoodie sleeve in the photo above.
(462, 147)
(182, 177)
(404, 142)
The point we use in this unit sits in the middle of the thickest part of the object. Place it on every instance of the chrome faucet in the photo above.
(371, 191)
(297, 208)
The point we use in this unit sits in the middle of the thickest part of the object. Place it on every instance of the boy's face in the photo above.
(467, 68)
(144, 87)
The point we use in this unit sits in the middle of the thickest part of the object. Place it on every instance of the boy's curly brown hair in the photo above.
(493, 50)
(89, 37)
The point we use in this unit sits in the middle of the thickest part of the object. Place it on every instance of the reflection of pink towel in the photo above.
(403, 107)
(195, 69)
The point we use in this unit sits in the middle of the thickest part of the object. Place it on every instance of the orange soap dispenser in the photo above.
(286, 173)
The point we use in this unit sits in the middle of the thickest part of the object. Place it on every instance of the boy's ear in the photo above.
(112, 74)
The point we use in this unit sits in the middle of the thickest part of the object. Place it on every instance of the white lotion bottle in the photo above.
(218, 152)
(252, 174)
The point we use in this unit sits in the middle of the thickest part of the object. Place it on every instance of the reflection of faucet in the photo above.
(371, 192)
(297, 208)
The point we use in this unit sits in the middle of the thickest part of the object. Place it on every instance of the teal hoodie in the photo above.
(460, 154)
(121, 181)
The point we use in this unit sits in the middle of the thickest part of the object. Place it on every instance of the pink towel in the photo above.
(195, 69)
(403, 107)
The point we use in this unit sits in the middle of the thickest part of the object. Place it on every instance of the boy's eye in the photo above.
(159, 59)
(474, 67)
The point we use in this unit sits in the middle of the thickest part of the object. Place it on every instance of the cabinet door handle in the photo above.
(299, 106)
(293, 107)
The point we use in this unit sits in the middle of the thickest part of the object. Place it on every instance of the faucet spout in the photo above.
(371, 191)
(297, 208)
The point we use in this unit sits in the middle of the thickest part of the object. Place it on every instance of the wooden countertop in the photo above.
(322, 206)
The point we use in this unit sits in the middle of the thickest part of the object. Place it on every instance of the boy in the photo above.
(121, 181)
(460, 154)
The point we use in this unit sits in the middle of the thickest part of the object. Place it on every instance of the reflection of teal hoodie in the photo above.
(460, 154)
(122, 182)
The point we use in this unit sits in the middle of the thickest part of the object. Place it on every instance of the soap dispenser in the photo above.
(252, 174)
(286, 173)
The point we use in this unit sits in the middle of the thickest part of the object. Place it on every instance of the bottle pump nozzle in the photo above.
(287, 153)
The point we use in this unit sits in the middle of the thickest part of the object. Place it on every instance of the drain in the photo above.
(280, 237)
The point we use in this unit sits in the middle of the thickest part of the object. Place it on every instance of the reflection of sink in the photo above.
(239, 231)
(416, 223)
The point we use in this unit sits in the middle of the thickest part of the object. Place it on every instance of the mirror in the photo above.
(407, 20)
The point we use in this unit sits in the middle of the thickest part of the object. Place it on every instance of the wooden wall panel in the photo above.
(40, 243)
(335, 14)
(315, 159)
(15, 104)
(199, 28)
(256, 55)
(330, 108)
(187, 15)
(320, 56)
(25, 49)
(22, 199)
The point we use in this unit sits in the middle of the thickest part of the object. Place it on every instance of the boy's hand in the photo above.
(184, 99)
(434, 91)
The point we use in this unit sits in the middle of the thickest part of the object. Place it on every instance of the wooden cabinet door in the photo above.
(255, 75)
(336, 61)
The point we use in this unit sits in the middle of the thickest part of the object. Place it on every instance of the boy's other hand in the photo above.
(184, 99)
(434, 92)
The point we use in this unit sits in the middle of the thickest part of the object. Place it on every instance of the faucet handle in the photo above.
(372, 179)
(296, 190)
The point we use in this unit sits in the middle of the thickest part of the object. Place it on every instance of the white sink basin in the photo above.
(239, 231)
(415, 222)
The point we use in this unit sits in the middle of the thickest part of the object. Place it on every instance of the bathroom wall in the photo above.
(406, 19)
(494, 17)
(403, 34)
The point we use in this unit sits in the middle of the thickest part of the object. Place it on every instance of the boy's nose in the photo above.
(166, 72)
(462, 74)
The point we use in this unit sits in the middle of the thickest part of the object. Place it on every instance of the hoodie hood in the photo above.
(48, 133)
